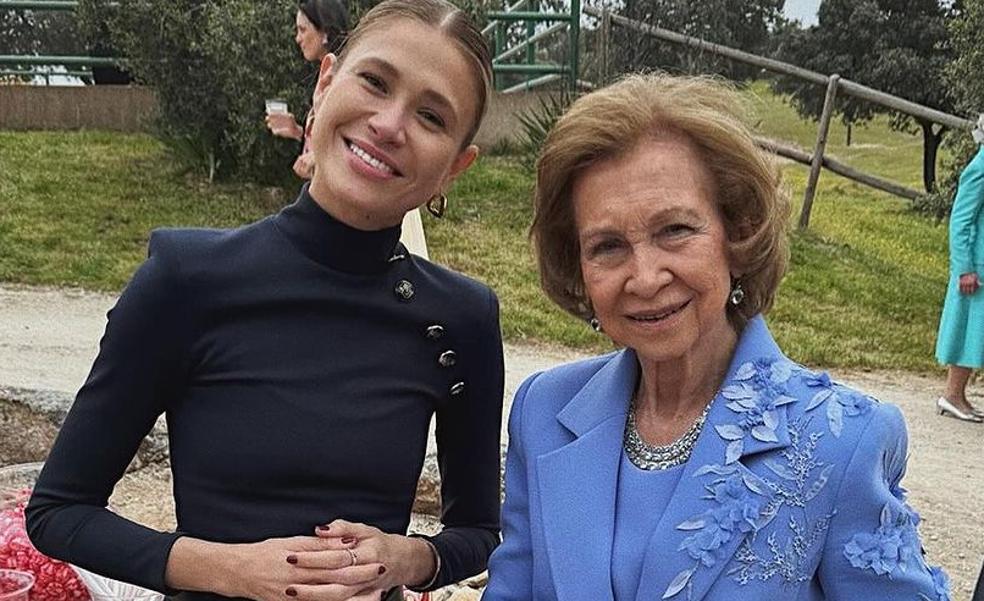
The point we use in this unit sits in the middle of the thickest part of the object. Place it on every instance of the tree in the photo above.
(963, 78)
(743, 24)
(29, 32)
(963, 74)
(898, 46)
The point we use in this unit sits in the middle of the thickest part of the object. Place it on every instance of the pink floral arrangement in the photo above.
(55, 580)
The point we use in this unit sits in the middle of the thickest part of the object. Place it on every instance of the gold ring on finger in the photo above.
(355, 558)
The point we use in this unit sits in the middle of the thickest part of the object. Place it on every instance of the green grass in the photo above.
(77, 208)
(864, 289)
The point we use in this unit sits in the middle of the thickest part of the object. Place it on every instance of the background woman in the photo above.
(960, 343)
(299, 360)
(321, 27)
(699, 462)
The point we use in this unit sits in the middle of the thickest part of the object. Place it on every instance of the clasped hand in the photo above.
(343, 562)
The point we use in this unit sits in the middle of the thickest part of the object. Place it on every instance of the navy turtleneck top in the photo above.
(298, 362)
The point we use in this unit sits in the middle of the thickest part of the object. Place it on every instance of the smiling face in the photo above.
(309, 39)
(654, 250)
(391, 124)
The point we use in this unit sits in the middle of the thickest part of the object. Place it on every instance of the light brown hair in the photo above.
(611, 121)
(449, 20)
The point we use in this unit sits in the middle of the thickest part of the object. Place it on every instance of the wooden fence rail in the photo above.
(834, 84)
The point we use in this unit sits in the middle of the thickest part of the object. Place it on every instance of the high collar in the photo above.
(334, 244)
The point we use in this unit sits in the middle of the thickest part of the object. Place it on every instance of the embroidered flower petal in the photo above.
(695, 524)
(678, 583)
(781, 370)
(730, 431)
(764, 434)
(819, 398)
(770, 419)
(745, 372)
(835, 418)
(720, 470)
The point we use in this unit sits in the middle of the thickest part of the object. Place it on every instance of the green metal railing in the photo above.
(523, 11)
(526, 11)
(39, 5)
(23, 65)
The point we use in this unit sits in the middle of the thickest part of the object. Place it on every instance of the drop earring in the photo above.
(737, 294)
(437, 205)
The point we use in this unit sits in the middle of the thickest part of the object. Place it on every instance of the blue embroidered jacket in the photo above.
(792, 491)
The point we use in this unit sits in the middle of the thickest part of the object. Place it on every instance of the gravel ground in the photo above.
(48, 339)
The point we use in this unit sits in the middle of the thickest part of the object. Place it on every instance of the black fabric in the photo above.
(979, 589)
(297, 384)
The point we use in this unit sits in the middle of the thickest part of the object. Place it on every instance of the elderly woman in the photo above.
(699, 462)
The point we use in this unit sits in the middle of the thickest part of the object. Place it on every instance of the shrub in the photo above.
(960, 148)
(963, 78)
(211, 64)
(537, 121)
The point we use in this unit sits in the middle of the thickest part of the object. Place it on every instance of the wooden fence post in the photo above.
(606, 43)
(817, 163)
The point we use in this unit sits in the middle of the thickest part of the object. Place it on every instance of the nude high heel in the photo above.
(945, 407)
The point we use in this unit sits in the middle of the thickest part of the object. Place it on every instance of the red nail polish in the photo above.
(382, 569)
(348, 540)
(291, 592)
(292, 559)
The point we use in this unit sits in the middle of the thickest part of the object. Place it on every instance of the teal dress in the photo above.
(961, 336)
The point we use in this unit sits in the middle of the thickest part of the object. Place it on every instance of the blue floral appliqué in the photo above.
(739, 496)
(800, 478)
(760, 389)
(941, 584)
(891, 549)
(840, 401)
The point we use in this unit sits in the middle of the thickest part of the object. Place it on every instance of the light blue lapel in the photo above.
(578, 482)
(664, 561)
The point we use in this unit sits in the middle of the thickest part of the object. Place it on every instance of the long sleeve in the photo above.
(468, 442)
(873, 549)
(511, 566)
(964, 215)
(137, 369)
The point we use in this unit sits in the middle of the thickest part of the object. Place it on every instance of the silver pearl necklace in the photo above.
(652, 457)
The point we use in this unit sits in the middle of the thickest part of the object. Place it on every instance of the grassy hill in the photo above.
(864, 290)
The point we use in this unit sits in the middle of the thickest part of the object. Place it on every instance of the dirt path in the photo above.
(48, 338)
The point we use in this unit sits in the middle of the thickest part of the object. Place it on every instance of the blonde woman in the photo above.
(299, 361)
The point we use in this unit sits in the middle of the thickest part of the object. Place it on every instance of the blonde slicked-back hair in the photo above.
(609, 122)
(449, 20)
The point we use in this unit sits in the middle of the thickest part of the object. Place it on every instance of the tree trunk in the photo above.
(931, 143)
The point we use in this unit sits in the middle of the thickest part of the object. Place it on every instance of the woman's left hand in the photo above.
(304, 165)
(401, 560)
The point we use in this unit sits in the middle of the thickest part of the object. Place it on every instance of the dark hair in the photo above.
(330, 17)
(449, 20)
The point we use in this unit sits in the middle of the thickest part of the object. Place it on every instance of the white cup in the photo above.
(276, 106)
